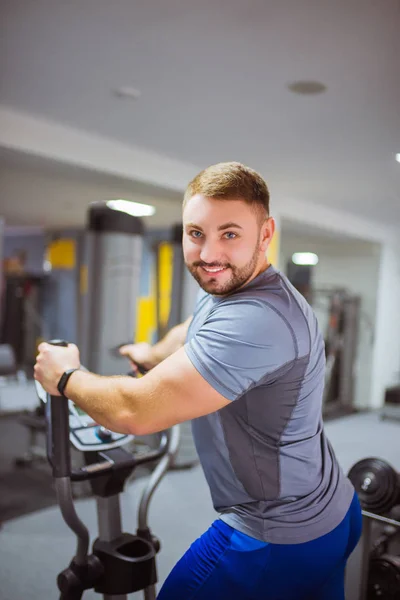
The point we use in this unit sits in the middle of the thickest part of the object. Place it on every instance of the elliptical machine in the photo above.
(120, 563)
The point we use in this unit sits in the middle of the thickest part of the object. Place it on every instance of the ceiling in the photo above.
(295, 237)
(51, 195)
(213, 80)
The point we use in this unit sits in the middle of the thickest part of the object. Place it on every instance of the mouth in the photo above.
(214, 271)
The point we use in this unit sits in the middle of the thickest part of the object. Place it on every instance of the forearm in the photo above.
(110, 401)
(174, 340)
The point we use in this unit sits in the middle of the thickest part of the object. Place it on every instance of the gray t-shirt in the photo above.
(271, 470)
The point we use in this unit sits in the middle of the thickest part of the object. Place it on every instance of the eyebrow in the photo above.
(229, 225)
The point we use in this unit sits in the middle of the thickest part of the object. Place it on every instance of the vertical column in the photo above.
(386, 351)
(114, 254)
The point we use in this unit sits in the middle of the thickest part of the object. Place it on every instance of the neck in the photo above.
(261, 268)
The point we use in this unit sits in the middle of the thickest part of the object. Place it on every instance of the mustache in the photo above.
(200, 263)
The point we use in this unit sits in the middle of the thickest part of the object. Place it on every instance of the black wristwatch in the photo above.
(64, 380)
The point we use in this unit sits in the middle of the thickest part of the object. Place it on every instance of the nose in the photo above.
(211, 252)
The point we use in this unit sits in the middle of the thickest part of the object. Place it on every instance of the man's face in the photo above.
(224, 243)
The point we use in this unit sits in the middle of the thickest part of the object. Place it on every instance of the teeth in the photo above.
(214, 270)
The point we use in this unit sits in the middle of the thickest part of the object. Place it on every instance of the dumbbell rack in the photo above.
(358, 565)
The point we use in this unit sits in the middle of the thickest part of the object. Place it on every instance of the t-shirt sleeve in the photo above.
(240, 344)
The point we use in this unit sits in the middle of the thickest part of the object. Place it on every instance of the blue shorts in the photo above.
(224, 564)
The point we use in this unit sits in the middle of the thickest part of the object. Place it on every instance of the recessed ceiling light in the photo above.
(136, 209)
(305, 258)
(398, 157)
(128, 92)
(307, 88)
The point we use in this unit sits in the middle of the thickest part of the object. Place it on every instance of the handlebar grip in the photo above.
(58, 449)
(140, 369)
(115, 352)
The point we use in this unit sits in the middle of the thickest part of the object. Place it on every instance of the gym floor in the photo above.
(35, 545)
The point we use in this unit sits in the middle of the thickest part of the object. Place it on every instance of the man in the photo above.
(248, 369)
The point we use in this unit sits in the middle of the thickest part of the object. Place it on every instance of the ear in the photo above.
(267, 233)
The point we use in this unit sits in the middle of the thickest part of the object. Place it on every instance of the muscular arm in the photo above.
(227, 356)
(172, 392)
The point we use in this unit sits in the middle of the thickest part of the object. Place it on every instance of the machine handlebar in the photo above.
(130, 460)
(57, 417)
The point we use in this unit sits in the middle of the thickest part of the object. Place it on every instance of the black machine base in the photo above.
(119, 567)
(129, 565)
(74, 580)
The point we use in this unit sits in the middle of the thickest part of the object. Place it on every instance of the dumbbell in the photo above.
(377, 485)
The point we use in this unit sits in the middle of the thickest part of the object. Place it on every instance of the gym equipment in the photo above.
(112, 249)
(120, 563)
(384, 578)
(391, 407)
(115, 352)
(8, 365)
(36, 455)
(377, 485)
(35, 422)
(21, 322)
(363, 581)
(113, 254)
(382, 542)
(373, 572)
(301, 277)
(341, 339)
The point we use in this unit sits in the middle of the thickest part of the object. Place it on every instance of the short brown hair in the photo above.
(231, 180)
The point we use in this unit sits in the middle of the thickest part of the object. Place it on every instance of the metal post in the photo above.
(150, 593)
(109, 518)
(110, 527)
(66, 503)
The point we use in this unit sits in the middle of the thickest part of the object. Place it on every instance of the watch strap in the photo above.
(64, 380)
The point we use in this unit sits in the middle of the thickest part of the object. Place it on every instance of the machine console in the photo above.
(84, 433)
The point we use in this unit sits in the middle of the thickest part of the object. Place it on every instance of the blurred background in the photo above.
(127, 101)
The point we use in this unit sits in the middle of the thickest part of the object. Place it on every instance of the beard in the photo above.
(239, 276)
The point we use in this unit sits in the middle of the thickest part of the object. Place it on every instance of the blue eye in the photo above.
(230, 235)
(194, 234)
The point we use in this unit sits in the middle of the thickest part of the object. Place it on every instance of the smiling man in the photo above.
(248, 369)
